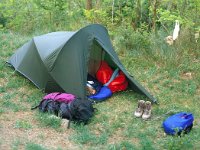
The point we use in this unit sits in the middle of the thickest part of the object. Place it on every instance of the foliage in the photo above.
(137, 40)
(187, 12)
(29, 16)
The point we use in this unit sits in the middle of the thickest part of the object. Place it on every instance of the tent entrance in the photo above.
(96, 55)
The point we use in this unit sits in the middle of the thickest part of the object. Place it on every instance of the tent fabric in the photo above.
(60, 61)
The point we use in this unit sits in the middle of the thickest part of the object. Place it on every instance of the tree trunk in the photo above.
(155, 5)
(113, 11)
(88, 4)
(149, 16)
(138, 13)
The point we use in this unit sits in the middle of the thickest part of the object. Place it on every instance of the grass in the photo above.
(172, 74)
(49, 120)
(33, 146)
(23, 124)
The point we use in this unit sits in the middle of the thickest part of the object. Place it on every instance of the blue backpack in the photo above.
(177, 123)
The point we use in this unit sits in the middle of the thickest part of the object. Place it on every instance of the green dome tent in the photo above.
(60, 61)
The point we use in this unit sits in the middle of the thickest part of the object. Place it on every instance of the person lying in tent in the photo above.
(93, 85)
(106, 82)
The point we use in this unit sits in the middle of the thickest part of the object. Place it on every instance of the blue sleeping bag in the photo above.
(105, 91)
(103, 94)
(179, 122)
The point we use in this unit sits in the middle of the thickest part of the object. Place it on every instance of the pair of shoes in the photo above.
(143, 110)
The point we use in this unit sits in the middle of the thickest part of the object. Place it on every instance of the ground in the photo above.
(11, 135)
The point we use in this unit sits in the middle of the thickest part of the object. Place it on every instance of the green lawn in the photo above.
(171, 74)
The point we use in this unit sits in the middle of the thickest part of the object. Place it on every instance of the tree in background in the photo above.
(149, 15)
(88, 4)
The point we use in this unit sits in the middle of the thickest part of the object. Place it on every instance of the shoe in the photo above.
(139, 110)
(147, 110)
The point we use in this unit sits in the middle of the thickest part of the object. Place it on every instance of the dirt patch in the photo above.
(46, 137)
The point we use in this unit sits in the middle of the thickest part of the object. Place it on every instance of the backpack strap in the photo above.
(59, 93)
(70, 116)
(43, 106)
(114, 75)
(32, 108)
(70, 119)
